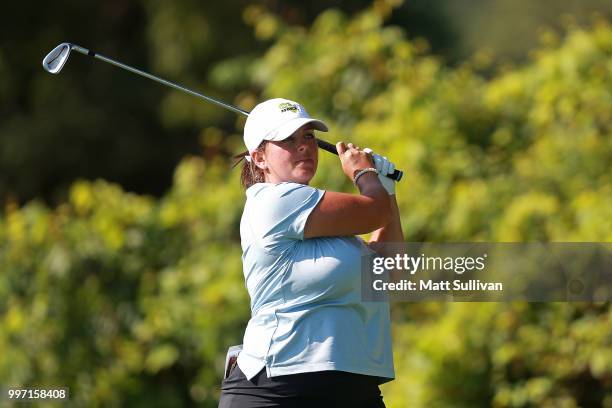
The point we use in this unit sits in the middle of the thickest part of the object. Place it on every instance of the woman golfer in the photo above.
(311, 341)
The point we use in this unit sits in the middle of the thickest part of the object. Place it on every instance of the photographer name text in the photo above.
(437, 286)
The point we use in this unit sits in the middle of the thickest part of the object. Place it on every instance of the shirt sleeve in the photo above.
(280, 213)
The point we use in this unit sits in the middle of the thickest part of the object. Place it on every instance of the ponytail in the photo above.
(250, 173)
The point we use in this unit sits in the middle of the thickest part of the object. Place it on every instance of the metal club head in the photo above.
(55, 60)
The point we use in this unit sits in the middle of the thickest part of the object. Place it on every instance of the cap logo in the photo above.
(286, 106)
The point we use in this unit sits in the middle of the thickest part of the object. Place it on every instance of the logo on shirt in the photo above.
(286, 106)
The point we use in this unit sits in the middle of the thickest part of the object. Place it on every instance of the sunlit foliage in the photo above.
(131, 300)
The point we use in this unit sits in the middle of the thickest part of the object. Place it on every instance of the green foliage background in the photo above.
(132, 300)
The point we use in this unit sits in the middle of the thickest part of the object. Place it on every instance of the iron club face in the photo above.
(55, 60)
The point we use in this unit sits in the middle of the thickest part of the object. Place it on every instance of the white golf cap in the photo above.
(276, 119)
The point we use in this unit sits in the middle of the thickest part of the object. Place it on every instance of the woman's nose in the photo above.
(303, 145)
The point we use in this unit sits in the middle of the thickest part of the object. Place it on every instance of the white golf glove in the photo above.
(384, 167)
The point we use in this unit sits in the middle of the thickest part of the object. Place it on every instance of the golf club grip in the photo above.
(396, 175)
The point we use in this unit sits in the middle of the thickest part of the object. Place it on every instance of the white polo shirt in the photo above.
(306, 308)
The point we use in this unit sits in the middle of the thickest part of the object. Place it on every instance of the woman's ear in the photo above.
(259, 158)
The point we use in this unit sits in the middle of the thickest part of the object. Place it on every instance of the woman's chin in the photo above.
(303, 176)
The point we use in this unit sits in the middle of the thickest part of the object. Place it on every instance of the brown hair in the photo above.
(250, 173)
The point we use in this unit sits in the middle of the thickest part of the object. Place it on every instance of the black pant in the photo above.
(319, 389)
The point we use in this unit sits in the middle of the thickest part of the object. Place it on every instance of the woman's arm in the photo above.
(341, 214)
(390, 233)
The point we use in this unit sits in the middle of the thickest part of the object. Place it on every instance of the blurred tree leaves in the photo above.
(93, 120)
(128, 300)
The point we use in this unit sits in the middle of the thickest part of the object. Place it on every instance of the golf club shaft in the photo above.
(397, 175)
(153, 77)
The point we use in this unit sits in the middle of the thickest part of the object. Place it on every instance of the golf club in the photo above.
(56, 59)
